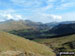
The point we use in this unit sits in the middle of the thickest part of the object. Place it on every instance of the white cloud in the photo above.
(68, 16)
(36, 11)
(19, 16)
(13, 16)
(7, 11)
(56, 17)
(43, 17)
(66, 5)
(10, 14)
(28, 3)
(50, 4)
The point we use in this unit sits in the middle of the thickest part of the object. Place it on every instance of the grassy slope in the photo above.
(57, 42)
(16, 43)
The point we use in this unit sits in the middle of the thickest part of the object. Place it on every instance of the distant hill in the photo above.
(18, 46)
(52, 24)
(67, 22)
(62, 29)
(13, 25)
(9, 25)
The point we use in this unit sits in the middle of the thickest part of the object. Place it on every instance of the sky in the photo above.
(38, 10)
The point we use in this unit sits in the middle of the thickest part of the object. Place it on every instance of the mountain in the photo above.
(17, 46)
(62, 29)
(37, 25)
(52, 24)
(67, 22)
(10, 25)
(13, 25)
(63, 43)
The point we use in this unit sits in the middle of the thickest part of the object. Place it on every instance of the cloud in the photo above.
(28, 3)
(61, 4)
(14, 16)
(10, 14)
(70, 16)
(56, 17)
(66, 5)
(44, 4)
(52, 16)
(5, 14)
(7, 11)
(44, 17)
(35, 4)
(37, 10)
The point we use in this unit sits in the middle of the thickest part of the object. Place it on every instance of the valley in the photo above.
(20, 35)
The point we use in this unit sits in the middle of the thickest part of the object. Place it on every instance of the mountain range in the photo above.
(63, 29)
(37, 29)
(20, 24)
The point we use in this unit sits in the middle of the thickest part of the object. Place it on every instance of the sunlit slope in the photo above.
(9, 42)
(61, 42)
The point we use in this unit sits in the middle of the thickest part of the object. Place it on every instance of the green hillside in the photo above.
(18, 46)
(66, 43)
